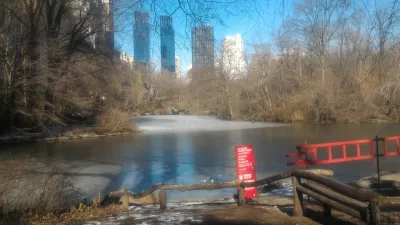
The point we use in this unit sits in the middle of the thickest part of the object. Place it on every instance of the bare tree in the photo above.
(318, 22)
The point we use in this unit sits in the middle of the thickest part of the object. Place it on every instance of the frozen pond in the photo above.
(176, 124)
(193, 149)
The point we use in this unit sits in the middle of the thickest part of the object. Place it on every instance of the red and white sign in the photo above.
(245, 167)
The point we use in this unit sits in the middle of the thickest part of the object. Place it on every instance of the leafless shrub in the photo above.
(113, 120)
(27, 184)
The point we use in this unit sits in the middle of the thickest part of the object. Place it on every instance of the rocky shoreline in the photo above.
(74, 135)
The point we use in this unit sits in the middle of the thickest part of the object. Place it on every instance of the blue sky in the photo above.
(256, 20)
(257, 23)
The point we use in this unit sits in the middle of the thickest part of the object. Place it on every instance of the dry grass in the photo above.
(35, 193)
(39, 187)
(113, 120)
(73, 216)
(77, 214)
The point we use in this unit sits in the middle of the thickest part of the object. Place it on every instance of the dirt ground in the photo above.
(267, 210)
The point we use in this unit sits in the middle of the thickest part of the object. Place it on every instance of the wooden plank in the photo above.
(373, 214)
(268, 180)
(242, 197)
(344, 189)
(214, 186)
(142, 194)
(190, 187)
(298, 197)
(286, 175)
(390, 202)
(163, 198)
(342, 199)
(329, 202)
(327, 210)
(321, 172)
(125, 200)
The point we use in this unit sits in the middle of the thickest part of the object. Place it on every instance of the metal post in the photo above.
(307, 181)
(377, 162)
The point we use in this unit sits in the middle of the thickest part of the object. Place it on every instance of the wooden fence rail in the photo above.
(359, 203)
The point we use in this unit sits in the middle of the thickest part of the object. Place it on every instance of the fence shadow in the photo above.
(319, 217)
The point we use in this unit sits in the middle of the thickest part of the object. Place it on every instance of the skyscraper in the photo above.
(233, 55)
(178, 66)
(203, 46)
(141, 39)
(167, 44)
(108, 22)
(103, 39)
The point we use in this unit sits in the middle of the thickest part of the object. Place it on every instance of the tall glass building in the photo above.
(167, 44)
(203, 46)
(141, 39)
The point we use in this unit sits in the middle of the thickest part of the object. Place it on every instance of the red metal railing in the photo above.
(304, 150)
(397, 148)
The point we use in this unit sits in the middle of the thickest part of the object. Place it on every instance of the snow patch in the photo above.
(152, 124)
(151, 214)
(287, 190)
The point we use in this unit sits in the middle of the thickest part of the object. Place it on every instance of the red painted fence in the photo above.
(303, 151)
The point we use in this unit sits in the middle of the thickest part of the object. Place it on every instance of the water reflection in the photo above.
(200, 157)
(186, 160)
(169, 160)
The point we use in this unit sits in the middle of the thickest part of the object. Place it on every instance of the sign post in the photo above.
(245, 168)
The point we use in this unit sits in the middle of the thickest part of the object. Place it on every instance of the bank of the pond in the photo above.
(164, 123)
(266, 211)
(73, 135)
(189, 150)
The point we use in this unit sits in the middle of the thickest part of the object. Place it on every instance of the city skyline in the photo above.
(203, 46)
(233, 56)
(167, 43)
(101, 31)
(178, 66)
(142, 39)
(253, 31)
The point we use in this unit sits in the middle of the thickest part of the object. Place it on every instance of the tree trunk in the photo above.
(33, 94)
(228, 111)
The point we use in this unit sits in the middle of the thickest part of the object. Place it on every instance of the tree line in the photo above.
(332, 61)
(58, 64)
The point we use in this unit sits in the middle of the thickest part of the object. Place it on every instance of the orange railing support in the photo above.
(303, 150)
(397, 149)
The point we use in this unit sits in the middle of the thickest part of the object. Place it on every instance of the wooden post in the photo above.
(327, 211)
(125, 200)
(241, 197)
(163, 198)
(374, 217)
(298, 197)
